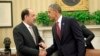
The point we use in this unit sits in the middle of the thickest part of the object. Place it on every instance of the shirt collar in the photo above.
(59, 19)
(26, 24)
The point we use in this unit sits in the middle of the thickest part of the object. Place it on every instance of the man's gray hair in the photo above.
(55, 7)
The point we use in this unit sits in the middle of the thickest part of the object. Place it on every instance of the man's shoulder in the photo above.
(18, 26)
(68, 19)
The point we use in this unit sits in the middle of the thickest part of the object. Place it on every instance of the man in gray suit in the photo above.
(26, 36)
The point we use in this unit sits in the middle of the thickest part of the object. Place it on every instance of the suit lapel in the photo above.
(54, 30)
(35, 33)
(26, 31)
(62, 29)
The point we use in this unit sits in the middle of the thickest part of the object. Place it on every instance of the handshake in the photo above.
(42, 49)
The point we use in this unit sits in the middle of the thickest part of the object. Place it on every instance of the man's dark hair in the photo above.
(24, 12)
(55, 7)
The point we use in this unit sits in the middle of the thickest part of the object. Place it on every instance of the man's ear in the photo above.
(25, 16)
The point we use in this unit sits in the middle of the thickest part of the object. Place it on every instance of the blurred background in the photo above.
(85, 11)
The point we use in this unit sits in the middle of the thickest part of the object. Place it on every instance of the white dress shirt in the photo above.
(59, 21)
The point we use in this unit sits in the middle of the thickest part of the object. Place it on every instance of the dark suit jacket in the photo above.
(88, 35)
(72, 41)
(24, 42)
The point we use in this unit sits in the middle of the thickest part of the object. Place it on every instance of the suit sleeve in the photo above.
(51, 49)
(77, 32)
(88, 35)
(19, 42)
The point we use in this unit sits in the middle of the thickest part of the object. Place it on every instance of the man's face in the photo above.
(31, 17)
(51, 13)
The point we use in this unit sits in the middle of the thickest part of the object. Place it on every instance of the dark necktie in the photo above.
(58, 30)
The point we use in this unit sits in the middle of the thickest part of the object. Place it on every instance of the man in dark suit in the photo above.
(67, 34)
(26, 36)
(88, 35)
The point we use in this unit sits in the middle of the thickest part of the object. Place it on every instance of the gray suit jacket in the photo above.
(24, 42)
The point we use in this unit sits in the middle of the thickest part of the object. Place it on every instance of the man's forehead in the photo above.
(30, 10)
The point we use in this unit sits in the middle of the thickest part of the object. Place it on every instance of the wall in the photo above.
(18, 6)
(37, 5)
(94, 5)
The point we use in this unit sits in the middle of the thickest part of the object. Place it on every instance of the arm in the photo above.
(19, 42)
(77, 32)
(41, 42)
(89, 35)
(51, 49)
